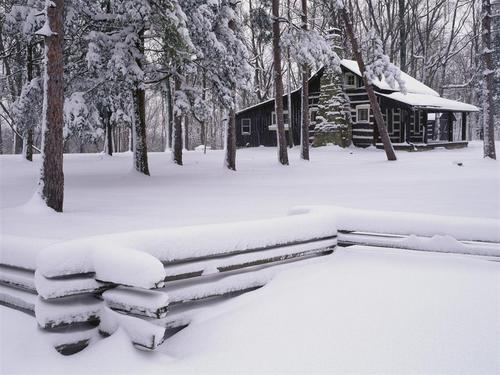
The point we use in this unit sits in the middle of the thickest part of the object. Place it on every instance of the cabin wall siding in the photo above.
(402, 122)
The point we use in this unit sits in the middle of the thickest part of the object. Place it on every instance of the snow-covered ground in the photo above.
(361, 310)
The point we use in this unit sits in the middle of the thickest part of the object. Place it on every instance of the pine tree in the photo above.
(51, 184)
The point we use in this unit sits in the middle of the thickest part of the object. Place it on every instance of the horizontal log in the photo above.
(135, 301)
(68, 286)
(279, 254)
(18, 299)
(438, 243)
(73, 311)
(17, 278)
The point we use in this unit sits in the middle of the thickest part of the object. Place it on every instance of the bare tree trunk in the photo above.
(51, 184)
(402, 36)
(139, 126)
(289, 83)
(203, 124)
(488, 120)
(170, 114)
(278, 87)
(231, 141)
(1, 138)
(304, 151)
(109, 132)
(28, 151)
(177, 131)
(186, 133)
(377, 113)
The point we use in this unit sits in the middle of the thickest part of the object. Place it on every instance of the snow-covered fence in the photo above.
(413, 231)
(143, 281)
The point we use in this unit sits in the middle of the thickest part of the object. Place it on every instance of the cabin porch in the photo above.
(423, 126)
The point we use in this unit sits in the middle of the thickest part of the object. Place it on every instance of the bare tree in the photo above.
(377, 113)
(139, 126)
(278, 86)
(488, 124)
(51, 182)
(230, 158)
(304, 150)
(177, 129)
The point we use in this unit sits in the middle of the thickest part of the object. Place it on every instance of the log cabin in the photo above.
(411, 117)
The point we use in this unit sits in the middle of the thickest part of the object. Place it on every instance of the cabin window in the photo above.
(246, 128)
(350, 80)
(313, 112)
(363, 113)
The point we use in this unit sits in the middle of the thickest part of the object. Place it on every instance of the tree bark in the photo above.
(170, 115)
(304, 151)
(177, 131)
(186, 133)
(231, 140)
(488, 69)
(377, 113)
(28, 151)
(139, 126)
(402, 36)
(109, 132)
(1, 138)
(278, 86)
(51, 182)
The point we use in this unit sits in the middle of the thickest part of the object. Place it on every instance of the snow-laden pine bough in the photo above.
(152, 283)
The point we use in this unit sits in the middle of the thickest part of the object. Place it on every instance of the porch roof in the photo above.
(430, 103)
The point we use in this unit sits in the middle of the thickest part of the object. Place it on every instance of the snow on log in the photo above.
(109, 322)
(201, 288)
(17, 299)
(148, 303)
(68, 311)
(64, 287)
(17, 278)
(183, 243)
(248, 259)
(21, 252)
(424, 225)
(110, 264)
(144, 335)
(128, 267)
(437, 243)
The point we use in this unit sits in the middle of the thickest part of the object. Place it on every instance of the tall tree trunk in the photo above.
(377, 113)
(109, 133)
(231, 140)
(139, 128)
(28, 151)
(402, 36)
(177, 131)
(170, 113)
(289, 82)
(186, 132)
(304, 151)
(51, 184)
(278, 86)
(488, 69)
(203, 124)
(1, 138)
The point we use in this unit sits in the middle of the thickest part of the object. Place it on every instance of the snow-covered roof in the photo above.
(431, 103)
(412, 85)
(418, 94)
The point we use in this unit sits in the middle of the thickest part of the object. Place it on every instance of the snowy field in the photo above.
(361, 310)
